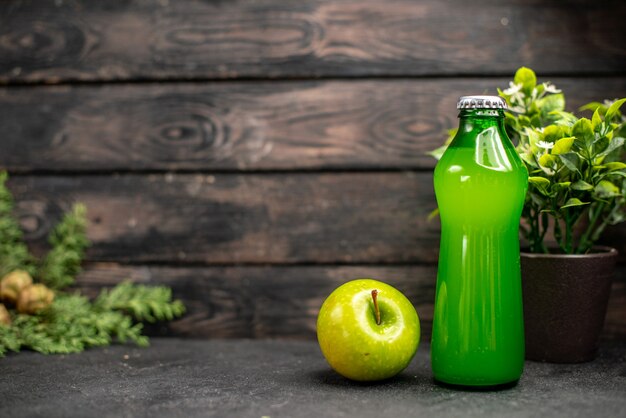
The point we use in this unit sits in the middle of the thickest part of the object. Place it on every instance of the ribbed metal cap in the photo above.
(481, 102)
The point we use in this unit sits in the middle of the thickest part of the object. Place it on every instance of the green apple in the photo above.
(368, 330)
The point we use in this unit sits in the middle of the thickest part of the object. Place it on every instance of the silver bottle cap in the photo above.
(481, 102)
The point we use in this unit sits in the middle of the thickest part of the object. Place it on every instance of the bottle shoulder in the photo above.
(487, 159)
(489, 148)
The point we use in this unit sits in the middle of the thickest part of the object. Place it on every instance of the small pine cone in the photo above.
(13, 283)
(5, 318)
(34, 298)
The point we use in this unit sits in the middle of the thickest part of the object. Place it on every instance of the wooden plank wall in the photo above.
(254, 155)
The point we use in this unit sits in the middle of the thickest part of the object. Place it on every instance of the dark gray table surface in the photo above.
(244, 378)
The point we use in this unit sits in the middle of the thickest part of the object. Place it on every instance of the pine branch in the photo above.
(14, 254)
(68, 241)
(9, 340)
(144, 303)
(75, 323)
(70, 325)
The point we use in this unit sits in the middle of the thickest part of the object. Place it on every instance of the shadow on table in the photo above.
(329, 377)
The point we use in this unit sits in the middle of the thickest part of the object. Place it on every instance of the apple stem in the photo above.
(376, 310)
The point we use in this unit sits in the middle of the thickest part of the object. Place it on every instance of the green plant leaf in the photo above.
(551, 103)
(596, 120)
(581, 185)
(563, 145)
(528, 159)
(535, 121)
(619, 129)
(438, 153)
(510, 118)
(564, 185)
(571, 161)
(547, 160)
(433, 214)
(615, 143)
(583, 131)
(527, 78)
(614, 109)
(617, 165)
(540, 88)
(593, 106)
(537, 199)
(533, 135)
(541, 183)
(606, 189)
(600, 144)
(562, 118)
(573, 202)
(553, 133)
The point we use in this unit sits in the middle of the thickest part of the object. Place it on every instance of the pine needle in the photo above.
(68, 241)
(14, 254)
(144, 303)
(72, 323)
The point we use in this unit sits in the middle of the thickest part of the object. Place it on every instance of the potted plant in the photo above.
(577, 187)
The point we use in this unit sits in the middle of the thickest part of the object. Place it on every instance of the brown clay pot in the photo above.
(565, 299)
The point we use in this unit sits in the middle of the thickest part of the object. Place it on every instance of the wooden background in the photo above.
(254, 155)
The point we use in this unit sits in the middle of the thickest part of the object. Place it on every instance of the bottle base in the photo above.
(477, 387)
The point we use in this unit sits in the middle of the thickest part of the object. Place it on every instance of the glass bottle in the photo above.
(480, 185)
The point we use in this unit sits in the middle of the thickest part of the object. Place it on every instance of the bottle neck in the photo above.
(476, 120)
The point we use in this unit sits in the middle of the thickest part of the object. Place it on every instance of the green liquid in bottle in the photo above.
(480, 184)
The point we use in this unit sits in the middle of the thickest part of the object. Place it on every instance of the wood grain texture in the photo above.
(121, 40)
(272, 218)
(239, 126)
(259, 302)
(268, 302)
(255, 218)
